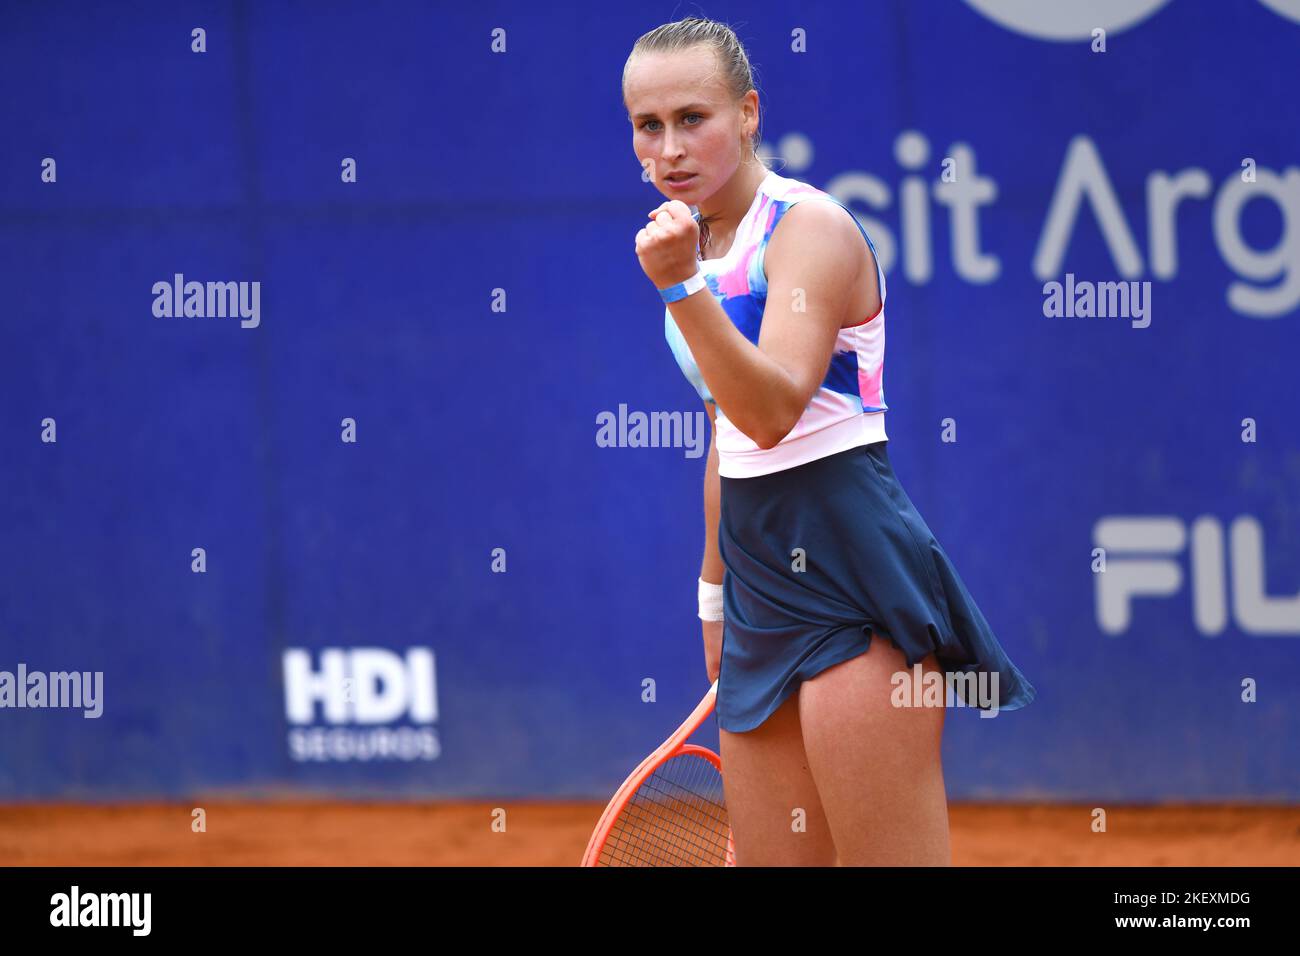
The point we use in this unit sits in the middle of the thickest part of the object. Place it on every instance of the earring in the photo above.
(744, 161)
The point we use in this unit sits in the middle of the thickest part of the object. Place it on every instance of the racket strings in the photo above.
(676, 817)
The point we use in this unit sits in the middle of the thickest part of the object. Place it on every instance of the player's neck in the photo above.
(730, 203)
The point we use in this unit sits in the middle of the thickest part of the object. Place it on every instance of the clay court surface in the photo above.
(555, 834)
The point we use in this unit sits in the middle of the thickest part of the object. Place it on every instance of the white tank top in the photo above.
(848, 408)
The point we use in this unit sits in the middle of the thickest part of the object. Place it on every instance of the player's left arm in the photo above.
(814, 261)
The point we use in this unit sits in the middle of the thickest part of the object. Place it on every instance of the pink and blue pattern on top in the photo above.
(848, 408)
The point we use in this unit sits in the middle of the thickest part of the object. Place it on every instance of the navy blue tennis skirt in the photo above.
(872, 565)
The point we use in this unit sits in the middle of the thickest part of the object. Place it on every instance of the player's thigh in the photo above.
(776, 814)
(878, 766)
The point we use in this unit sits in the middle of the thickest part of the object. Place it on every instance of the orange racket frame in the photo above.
(672, 747)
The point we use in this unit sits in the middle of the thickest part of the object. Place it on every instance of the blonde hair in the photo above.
(737, 74)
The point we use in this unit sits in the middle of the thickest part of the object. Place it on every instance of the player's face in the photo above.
(683, 122)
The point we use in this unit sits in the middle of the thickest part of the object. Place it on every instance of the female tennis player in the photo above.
(812, 552)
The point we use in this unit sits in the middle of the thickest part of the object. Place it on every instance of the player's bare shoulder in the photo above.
(820, 239)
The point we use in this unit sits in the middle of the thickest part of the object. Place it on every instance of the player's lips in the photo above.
(679, 180)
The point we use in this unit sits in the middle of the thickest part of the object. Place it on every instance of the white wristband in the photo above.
(681, 290)
(710, 601)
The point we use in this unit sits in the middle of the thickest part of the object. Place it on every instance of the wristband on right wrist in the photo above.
(675, 293)
(710, 598)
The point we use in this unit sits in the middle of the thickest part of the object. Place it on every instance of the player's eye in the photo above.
(646, 124)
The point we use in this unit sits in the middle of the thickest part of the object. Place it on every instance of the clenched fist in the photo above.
(667, 246)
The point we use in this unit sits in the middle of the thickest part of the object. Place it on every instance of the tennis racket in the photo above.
(670, 811)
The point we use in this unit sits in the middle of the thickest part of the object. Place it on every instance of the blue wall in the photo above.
(479, 171)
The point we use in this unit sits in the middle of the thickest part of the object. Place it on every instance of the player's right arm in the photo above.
(711, 570)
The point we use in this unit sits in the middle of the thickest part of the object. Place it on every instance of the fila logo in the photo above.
(360, 685)
(1137, 558)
